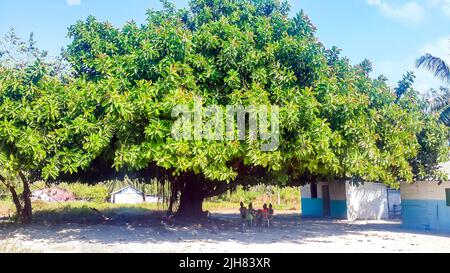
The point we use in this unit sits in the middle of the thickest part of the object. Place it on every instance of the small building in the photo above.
(347, 200)
(426, 204)
(131, 195)
(324, 199)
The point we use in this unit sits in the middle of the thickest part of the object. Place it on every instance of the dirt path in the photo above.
(289, 234)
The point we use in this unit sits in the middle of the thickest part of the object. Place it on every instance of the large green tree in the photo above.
(47, 127)
(335, 121)
(41, 132)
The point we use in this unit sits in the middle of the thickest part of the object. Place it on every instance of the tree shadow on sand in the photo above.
(138, 225)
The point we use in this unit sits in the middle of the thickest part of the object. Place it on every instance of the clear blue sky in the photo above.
(391, 33)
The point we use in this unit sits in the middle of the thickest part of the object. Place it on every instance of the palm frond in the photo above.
(439, 103)
(440, 100)
(445, 116)
(435, 65)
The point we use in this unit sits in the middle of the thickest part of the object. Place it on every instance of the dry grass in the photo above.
(11, 247)
(6, 208)
(79, 209)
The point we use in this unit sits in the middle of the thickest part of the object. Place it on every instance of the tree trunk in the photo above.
(173, 197)
(278, 196)
(16, 201)
(191, 199)
(27, 211)
(21, 202)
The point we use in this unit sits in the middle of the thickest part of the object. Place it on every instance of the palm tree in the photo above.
(439, 101)
(435, 65)
(404, 85)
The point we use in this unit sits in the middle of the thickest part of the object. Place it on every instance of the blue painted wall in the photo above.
(339, 209)
(426, 215)
(313, 207)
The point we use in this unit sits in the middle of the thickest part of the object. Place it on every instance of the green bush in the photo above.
(92, 193)
(289, 196)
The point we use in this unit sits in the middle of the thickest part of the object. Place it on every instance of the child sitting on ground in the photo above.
(242, 210)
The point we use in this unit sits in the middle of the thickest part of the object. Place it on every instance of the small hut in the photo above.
(348, 200)
(426, 204)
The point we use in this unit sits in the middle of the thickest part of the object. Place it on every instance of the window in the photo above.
(447, 196)
(313, 190)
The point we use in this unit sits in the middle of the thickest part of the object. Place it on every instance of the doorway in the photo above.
(326, 201)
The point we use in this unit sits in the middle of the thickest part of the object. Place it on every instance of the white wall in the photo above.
(305, 191)
(424, 190)
(424, 206)
(127, 198)
(367, 201)
(337, 190)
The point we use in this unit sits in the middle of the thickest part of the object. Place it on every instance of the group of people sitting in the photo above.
(253, 217)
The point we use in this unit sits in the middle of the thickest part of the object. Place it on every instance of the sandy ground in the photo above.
(289, 233)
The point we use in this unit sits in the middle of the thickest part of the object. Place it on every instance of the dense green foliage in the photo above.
(289, 197)
(336, 121)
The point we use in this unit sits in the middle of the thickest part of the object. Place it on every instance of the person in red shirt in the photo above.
(265, 209)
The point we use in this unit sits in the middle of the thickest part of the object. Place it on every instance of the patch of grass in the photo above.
(84, 210)
(289, 198)
(80, 210)
(11, 247)
(218, 206)
(92, 193)
(6, 208)
(94, 197)
(77, 209)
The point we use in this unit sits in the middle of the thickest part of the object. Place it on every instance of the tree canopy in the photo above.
(336, 122)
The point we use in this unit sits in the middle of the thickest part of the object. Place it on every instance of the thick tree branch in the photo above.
(16, 200)
(14, 195)
(26, 194)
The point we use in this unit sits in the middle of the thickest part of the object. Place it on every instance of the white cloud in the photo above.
(408, 12)
(442, 5)
(73, 2)
(439, 48)
(374, 2)
(412, 11)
